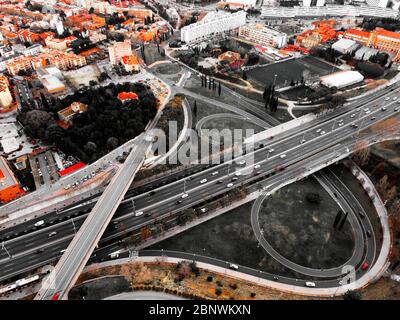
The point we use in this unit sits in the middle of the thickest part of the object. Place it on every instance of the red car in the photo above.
(55, 297)
(365, 266)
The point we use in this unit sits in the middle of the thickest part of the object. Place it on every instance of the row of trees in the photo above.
(271, 101)
(210, 84)
(107, 122)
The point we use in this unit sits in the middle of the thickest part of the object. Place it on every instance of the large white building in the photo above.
(248, 3)
(262, 35)
(313, 3)
(327, 11)
(341, 79)
(213, 23)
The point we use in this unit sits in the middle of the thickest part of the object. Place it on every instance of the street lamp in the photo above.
(4, 247)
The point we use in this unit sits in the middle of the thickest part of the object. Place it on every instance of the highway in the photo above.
(165, 197)
(79, 250)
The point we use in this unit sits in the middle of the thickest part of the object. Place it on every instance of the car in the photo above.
(270, 150)
(373, 118)
(39, 250)
(352, 115)
(39, 223)
(394, 98)
(302, 141)
(148, 214)
(256, 166)
(396, 109)
(387, 98)
(361, 214)
(318, 130)
(138, 213)
(151, 193)
(354, 125)
(214, 173)
(234, 178)
(367, 112)
(185, 195)
(275, 278)
(203, 181)
(233, 266)
(178, 202)
(322, 133)
(229, 185)
(242, 162)
(369, 233)
(257, 173)
(52, 233)
(219, 181)
(310, 284)
(364, 266)
(282, 156)
(63, 251)
(383, 109)
(341, 124)
(204, 210)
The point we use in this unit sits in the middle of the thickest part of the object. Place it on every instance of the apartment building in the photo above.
(262, 35)
(119, 50)
(212, 24)
(5, 94)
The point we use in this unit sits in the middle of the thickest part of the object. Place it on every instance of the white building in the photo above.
(327, 11)
(345, 45)
(260, 34)
(341, 79)
(213, 23)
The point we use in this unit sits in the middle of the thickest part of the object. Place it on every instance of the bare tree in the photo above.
(361, 152)
(382, 185)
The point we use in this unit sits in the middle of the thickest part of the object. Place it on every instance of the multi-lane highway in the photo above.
(164, 200)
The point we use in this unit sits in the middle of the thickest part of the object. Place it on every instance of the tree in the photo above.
(382, 185)
(195, 108)
(219, 88)
(361, 152)
(352, 295)
(91, 10)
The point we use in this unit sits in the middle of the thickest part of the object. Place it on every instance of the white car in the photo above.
(367, 112)
(242, 162)
(52, 234)
(229, 185)
(352, 116)
(341, 124)
(318, 130)
(387, 98)
(383, 108)
(271, 150)
(185, 195)
(203, 181)
(310, 284)
(322, 133)
(282, 156)
(62, 251)
(394, 98)
(302, 141)
(138, 213)
(233, 266)
(39, 223)
(257, 166)
(214, 173)
(203, 210)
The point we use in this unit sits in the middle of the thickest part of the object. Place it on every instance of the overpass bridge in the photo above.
(69, 267)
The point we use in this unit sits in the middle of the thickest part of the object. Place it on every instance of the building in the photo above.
(60, 59)
(67, 113)
(9, 185)
(262, 35)
(59, 44)
(119, 50)
(379, 38)
(131, 63)
(125, 96)
(52, 84)
(341, 79)
(345, 45)
(241, 3)
(327, 11)
(322, 32)
(358, 35)
(212, 24)
(229, 56)
(5, 94)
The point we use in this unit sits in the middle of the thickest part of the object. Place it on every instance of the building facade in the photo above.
(5, 94)
(212, 24)
(9, 185)
(119, 50)
(262, 35)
